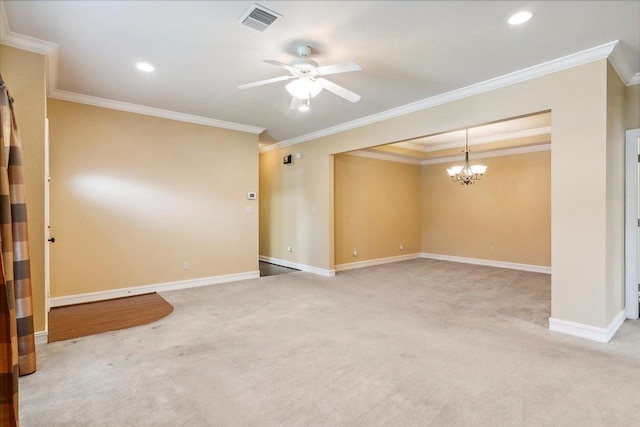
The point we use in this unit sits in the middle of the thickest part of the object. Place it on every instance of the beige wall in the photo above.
(24, 75)
(509, 210)
(133, 197)
(289, 214)
(577, 99)
(377, 208)
(615, 192)
(632, 107)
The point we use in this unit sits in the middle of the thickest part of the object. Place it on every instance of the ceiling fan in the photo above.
(307, 81)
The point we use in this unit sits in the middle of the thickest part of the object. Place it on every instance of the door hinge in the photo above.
(638, 222)
(638, 158)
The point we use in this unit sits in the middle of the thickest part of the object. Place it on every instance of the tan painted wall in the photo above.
(632, 107)
(24, 75)
(577, 99)
(291, 216)
(615, 192)
(134, 196)
(377, 208)
(509, 210)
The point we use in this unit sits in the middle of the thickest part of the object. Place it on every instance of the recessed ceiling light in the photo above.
(520, 17)
(144, 66)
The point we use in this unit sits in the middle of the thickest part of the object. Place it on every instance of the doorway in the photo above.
(632, 223)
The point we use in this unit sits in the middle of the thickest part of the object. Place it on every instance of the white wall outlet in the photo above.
(248, 210)
(401, 247)
(355, 252)
(289, 249)
(185, 265)
(491, 249)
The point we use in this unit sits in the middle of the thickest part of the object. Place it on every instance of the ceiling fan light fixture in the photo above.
(305, 106)
(303, 88)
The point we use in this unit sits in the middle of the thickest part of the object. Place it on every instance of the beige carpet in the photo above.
(415, 343)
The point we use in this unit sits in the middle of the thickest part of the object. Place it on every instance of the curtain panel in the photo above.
(17, 342)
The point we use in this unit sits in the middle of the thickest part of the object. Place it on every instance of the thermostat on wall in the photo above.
(287, 159)
(251, 195)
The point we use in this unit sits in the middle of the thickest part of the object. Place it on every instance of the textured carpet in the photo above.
(81, 320)
(415, 343)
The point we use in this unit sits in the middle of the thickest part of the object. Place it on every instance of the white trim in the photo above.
(302, 267)
(150, 111)
(158, 287)
(487, 154)
(634, 80)
(569, 61)
(585, 331)
(490, 263)
(50, 51)
(631, 224)
(474, 141)
(622, 67)
(398, 158)
(377, 261)
(41, 337)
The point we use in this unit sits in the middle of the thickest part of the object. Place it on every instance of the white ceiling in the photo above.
(409, 50)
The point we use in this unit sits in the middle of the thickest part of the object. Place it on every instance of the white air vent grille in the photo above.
(259, 17)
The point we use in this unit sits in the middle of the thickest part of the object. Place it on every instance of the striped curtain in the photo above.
(17, 343)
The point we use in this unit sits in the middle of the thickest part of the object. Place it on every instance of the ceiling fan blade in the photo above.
(279, 64)
(339, 90)
(296, 103)
(265, 82)
(343, 67)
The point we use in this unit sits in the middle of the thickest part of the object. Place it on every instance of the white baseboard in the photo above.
(490, 263)
(377, 261)
(301, 267)
(41, 337)
(145, 289)
(586, 331)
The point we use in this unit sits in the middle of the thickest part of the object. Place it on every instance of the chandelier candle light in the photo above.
(466, 174)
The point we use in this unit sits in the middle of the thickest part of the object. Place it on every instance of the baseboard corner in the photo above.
(603, 335)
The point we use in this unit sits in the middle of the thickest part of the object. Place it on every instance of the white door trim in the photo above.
(47, 282)
(631, 224)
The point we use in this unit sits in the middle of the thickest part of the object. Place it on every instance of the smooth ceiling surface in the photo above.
(409, 50)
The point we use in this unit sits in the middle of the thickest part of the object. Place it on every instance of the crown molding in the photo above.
(493, 153)
(151, 111)
(553, 66)
(475, 141)
(384, 156)
(622, 67)
(50, 51)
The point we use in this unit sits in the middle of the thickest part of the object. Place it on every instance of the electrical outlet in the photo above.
(491, 249)
(185, 265)
(401, 247)
(289, 249)
(355, 252)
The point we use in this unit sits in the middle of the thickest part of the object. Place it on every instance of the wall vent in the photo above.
(259, 17)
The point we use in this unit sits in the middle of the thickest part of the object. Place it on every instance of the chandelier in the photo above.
(466, 174)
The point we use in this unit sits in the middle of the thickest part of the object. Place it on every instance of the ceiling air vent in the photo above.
(259, 17)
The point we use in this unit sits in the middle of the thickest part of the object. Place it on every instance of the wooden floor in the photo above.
(80, 320)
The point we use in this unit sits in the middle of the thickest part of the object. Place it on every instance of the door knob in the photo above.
(52, 239)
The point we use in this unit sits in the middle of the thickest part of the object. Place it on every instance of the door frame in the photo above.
(47, 230)
(632, 218)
